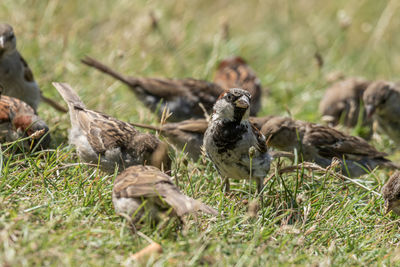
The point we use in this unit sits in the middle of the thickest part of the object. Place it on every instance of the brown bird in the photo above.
(237, 149)
(15, 75)
(141, 189)
(320, 144)
(391, 193)
(184, 98)
(342, 100)
(189, 134)
(18, 120)
(235, 73)
(382, 101)
(104, 139)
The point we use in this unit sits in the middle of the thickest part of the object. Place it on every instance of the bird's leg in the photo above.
(226, 185)
(260, 187)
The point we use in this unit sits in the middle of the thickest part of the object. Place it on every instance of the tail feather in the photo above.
(103, 68)
(181, 203)
(53, 104)
(69, 95)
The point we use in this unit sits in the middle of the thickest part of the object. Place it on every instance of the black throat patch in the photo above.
(228, 134)
(238, 114)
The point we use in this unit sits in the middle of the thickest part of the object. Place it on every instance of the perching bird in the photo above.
(233, 144)
(18, 120)
(391, 193)
(189, 134)
(382, 102)
(235, 73)
(15, 76)
(342, 102)
(320, 144)
(141, 189)
(104, 139)
(186, 134)
(185, 98)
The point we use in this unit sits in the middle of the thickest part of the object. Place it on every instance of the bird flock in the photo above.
(217, 120)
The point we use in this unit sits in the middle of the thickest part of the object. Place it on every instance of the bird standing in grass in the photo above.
(189, 134)
(342, 102)
(391, 193)
(185, 98)
(382, 102)
(141, 189)
(320, 144)
(237, 149)
(104, 139)
(15, 75)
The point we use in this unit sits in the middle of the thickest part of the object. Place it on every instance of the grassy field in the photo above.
(55, 211)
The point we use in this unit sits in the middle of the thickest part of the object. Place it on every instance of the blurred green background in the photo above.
(66, 217)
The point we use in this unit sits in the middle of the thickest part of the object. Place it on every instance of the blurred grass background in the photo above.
(57, 212)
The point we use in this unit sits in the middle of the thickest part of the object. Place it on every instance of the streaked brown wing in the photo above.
(333, 143)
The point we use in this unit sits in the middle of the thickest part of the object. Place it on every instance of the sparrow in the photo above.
(102, 139)
(186, 135)
(233, 144)
(342, 100)
(321, 144)
(145, 188)
(18, 120)
(15, 75)
(391, 193)
(382, 102)
(185, 98)
(235, 73)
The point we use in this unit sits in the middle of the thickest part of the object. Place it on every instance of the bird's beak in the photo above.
(369, 109)
(2, 42)
(242, 102)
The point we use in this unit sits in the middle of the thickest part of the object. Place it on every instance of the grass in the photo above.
(55, 210)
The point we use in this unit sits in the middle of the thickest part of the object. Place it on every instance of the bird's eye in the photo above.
(11, 36)
(229, 97)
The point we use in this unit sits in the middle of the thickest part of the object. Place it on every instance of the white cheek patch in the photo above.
(223, 110)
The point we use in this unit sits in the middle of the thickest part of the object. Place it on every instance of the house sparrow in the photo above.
(98, 136)
(235, 73)
(189, 134)
(232, 143)
(15, 74)
(391, 193)
(186, 134)
(320, 144)
(342, 102)
(182, 97)
(18, 120)
(382, 101)
(145, 188)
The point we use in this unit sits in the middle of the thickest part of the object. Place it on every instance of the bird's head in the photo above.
(8, 42)
(231, 62)
(232, 105)
(35, 127)
(376, 96)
